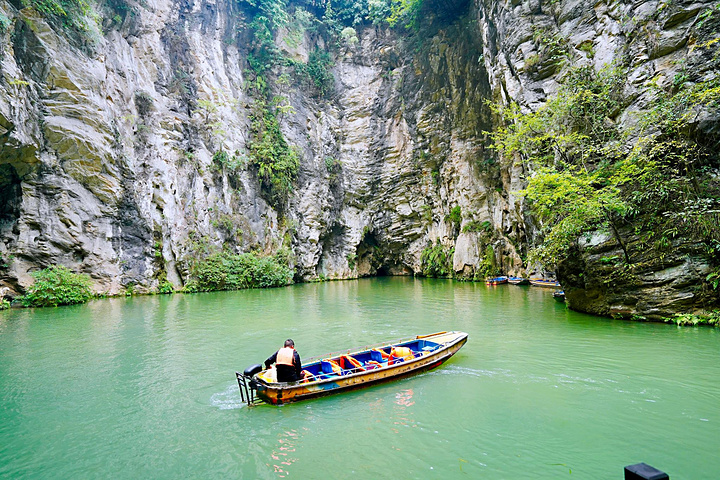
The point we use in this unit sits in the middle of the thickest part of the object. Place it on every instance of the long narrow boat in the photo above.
(541, 282)
(518, 281)
(342, 371)
(496, 280)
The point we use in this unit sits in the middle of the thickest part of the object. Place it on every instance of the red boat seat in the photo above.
(349, 363)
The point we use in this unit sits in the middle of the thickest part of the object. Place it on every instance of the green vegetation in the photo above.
(713, 279)
(55, 286)
(349, 36)
(455, 216)
(316, 71)
(690, 319)
(165, 288)
(585, 178)
(437, 260)
(266, 17)
(488, 267)
(352, 260)
(230, 162)
(404, 12)
(553, 51)
(5, 23)
(119, 10)
(276, 162)
(333, 165)
(226, 271)
(71, 15)
(4, 304)
(475, 226)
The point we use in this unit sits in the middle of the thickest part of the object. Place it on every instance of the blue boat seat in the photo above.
(327, 369)
(377, 356)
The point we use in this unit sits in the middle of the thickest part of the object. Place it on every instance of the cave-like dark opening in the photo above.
(10, 198)
(383, 271)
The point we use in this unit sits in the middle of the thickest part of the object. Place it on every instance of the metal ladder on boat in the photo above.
(247, 385)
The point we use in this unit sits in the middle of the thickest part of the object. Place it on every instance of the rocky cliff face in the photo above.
(108, 162)
(663, 44)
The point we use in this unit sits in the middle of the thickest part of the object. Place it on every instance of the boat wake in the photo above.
(468, 372)
(227, 400)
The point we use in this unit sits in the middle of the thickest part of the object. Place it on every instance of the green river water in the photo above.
(144, 388)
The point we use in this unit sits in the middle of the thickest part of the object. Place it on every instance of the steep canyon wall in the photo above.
(109, 162)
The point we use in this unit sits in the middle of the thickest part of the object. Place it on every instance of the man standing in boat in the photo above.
(287, 362)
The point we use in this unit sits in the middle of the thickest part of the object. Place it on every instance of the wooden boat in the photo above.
(496, 281)
(541, 282)
(518, 281)
(338, 372)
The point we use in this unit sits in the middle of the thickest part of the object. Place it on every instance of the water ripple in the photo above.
(228, 400)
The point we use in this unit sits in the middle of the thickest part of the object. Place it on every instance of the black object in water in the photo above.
(643, 471)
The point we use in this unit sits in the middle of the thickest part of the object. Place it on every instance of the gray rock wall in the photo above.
(661, 43)
(106, 163)
(108, 154)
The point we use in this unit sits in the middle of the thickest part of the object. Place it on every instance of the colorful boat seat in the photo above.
(371, 364)
(307, 377)
(378, 355)
(401, 354)
(349, 363)
(330, 367)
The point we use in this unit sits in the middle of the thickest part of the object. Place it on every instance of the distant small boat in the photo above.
(559, 295)
(496, 280)
(518, 281)
(541, 282)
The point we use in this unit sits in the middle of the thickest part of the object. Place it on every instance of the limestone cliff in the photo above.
(664, 45)
(109, 162)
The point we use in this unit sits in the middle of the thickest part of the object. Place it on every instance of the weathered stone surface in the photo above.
(597, 280)
(106, 159)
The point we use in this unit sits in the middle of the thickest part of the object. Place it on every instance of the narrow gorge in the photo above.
(367, 138)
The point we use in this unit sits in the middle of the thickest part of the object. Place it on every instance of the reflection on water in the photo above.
(283, 454)
(403, 415)
(145, 388)
(404, 398)
(398, 412)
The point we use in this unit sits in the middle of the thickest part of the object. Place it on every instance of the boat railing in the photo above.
(317, 358)
(351, 371)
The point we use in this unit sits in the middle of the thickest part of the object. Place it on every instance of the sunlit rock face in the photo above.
(107, 165)
(108, 154)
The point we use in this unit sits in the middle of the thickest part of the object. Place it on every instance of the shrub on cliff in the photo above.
(57, 285)
(225, 271)
(69, 14)
(587, 174)
(276, 162)
(436, 260)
